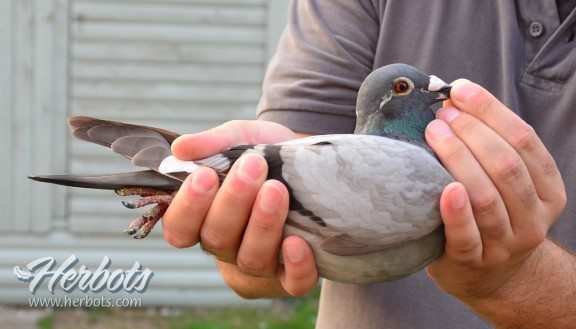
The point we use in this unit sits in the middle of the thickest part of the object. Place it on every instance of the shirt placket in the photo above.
(549, 47)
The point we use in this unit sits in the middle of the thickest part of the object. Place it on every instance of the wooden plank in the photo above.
(105, 206)
(60, 108)
(61, 240)
(179, 72)
(163, 91)
(6, 104)
(41, 116)
(277, 17)
(196, 75)
(152, 297)
(168, 32)
(174, 113)
(193, 279)
(247, 3)
(159, 51)
(168, 13)
(177, 273)
(166, 257)
(31, 112)
(21, 114)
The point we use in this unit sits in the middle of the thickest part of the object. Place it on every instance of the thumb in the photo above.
(227, 135)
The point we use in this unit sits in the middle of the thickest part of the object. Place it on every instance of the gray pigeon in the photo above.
(366, 203)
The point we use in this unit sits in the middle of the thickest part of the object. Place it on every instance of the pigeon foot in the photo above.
(145, 223)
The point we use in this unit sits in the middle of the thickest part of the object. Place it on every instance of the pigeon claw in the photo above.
(128, 205)
(143, 225)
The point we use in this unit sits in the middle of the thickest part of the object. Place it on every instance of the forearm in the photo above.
(540, 295)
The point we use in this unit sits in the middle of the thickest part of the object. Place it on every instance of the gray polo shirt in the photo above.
(524, 54)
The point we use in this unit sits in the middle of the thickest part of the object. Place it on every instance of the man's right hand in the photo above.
(241, 222)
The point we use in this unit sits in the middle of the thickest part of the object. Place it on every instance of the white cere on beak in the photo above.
(436, 83)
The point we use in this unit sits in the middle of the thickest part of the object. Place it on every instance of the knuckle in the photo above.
(487, 104)
(534, 236)
(300, 287)
(457, 152)
(178, 239)
(269, 225)
(509, 167)
(559, 199)
(462, 260)
(238, 192)
(550, 169)
(465, 123)
(539, 234)
(525, 138)
(452, 151)
(254, 266)
(529, 197)
(463, 255)
(213, 242)
(485, 203)
(177, 242)
(233, 198)
(495, 229)
(243, 293)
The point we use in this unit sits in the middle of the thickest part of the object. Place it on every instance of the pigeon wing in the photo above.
(81, 124)
(146, 178)
(146, 146)
(363, 193)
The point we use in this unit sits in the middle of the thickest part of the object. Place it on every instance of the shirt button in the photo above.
(536, 29)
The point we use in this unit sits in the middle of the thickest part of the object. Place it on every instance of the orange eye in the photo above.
(401, 87)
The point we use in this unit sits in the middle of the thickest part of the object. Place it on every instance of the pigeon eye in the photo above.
(402, 86)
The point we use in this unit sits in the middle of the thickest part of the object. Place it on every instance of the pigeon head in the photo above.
(394, 101)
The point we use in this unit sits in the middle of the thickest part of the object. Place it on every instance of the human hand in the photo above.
(241, 222)
(508, 194)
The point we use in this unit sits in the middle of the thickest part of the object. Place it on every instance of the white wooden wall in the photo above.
(184, 65)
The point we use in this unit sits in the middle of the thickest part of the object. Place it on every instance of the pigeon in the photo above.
(367, 203)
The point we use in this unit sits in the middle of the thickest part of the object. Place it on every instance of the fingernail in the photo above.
(438, 130)
(270, 198)
(202, 181)
(250, 167)
(294, 252)
(448, 113)
(463, 91)
(457, 198)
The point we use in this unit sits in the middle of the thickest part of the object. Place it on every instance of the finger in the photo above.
(183, 218)
(489, 209)
(463, 239)
(478, 102)
(228, 216)
(502, 164)
(299, 275)
(231, 133)
(258, 253)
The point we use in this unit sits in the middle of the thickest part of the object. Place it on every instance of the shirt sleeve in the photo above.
(324, 54)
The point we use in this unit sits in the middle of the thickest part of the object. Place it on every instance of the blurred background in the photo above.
(183, 65)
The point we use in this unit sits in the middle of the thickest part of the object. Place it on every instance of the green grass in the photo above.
(46, 322)
(286, 313)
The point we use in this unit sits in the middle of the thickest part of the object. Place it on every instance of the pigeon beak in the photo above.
(444, 92)
(439, 87)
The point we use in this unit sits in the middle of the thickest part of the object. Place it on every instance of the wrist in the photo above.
(540, 293)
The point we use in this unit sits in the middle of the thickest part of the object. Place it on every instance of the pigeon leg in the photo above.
(141, 191)
(146, 222)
